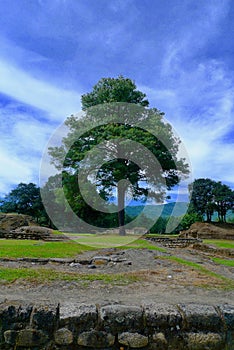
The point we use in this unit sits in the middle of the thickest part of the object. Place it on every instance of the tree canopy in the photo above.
(118, 146)
(24, 199)
(208, 196)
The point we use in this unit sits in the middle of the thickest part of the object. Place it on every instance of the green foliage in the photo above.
(114, 90)
(187, 220)
(159, 226)
(24, 199)
(208, 196)
(117, 136)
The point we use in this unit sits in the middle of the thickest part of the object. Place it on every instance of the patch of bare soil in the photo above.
(160, 279)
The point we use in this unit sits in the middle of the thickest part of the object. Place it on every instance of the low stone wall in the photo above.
(153, 326)
(174, 242)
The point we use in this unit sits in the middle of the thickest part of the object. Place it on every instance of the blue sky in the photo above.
(180, 53)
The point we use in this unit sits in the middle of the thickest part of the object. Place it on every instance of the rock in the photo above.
(162, 316)
(10, 336)
(100, 260)
(31, 337)
(31, 232)
(160, 340)
(63, 336)
(228, 315)
(134, 340)
(81, 316)
(9, 222)
(201, 341)
(75, 264)
(121, 317)
(200, 317)
(92, 267)
(96, 339)
(45, 317)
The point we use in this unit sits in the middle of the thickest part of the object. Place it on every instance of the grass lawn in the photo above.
(41, 275)
(220, 243)
(39, 249)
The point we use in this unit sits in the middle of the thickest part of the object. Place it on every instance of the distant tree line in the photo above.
(207, 197)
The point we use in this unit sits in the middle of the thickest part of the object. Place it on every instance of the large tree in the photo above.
(208, 196)
(116, 134)
(24, 199)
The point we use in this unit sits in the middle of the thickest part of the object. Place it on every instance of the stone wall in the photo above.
(87, 327)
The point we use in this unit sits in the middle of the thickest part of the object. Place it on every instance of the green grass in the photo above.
(220, 243)
(102, 240)
(48, 275)
(142, 244)
(226, 262)
(39, 249)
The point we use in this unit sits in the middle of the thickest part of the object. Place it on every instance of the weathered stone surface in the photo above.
(78, 316)
(100, 260)
(96, 339)
(13, 317)
(30, 232)
(228, 315)
(201, 341)
(31, 337)
(117, 318)
(63, 336)
(45, 317)
(134, 340)
(10, 337)
(160, 340)
(162, 316)
(9, 222)
(200, 317)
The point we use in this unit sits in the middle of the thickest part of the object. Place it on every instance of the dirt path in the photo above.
(161, 279)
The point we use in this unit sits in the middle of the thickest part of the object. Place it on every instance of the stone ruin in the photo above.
(19, 226)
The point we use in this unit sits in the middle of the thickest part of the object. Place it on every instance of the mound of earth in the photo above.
(10, 222)
(205, 230)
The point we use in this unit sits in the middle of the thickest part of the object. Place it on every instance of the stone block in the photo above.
(198, 317)
(10, 337)
(228, 315)
(31, 337)
(117, 318)
(45, 317)
(134, 340)
(162, 316)
(96, 339)
(63, 336)
(160, 341)
(201, 341)
(79, 317)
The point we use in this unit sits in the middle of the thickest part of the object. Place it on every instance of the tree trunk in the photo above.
(121, 210)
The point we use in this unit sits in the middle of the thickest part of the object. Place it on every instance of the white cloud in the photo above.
(58, 103)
